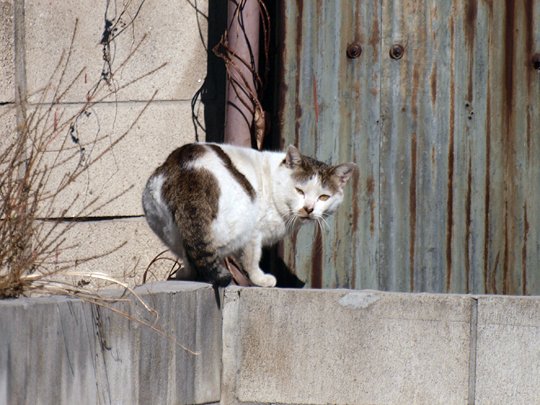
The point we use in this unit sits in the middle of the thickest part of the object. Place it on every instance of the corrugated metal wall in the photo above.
(441, 111)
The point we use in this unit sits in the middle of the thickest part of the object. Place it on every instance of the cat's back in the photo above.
(206, 170)
(210, 156)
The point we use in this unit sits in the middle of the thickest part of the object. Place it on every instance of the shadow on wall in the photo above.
(212, 92)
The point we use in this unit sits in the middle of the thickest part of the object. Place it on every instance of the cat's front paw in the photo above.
(263, 280)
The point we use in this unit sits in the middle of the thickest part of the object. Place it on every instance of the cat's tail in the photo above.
(186, 231)
(205, 260)
(197, 242)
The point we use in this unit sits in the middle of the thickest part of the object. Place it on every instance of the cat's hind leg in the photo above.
(200, 252)
(207, 263)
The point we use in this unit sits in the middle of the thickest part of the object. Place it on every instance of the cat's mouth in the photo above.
(306, 217)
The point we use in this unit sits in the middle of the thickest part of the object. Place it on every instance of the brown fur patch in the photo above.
(238, 176)
(310, 167)
(183, 155)
(193, 197)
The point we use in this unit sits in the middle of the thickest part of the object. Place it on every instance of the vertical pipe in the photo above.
(243, 42)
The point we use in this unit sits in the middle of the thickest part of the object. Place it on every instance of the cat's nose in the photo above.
(309, 210)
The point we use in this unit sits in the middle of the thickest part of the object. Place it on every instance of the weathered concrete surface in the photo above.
(274, 346)
(124, 168)
(7, 54)
(65, 351)
(345, 347)
(128, 246)
(35, 38)
(173, 36)
(508, 354)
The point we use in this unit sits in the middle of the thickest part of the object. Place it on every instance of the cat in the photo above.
(209, 201)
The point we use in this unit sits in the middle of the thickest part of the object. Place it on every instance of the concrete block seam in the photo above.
(473, 347)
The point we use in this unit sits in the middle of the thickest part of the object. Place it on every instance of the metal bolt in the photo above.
(397, 51)
(536, 61)
(354, 50)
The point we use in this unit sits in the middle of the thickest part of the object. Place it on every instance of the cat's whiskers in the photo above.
(291, 221)
(322, 222)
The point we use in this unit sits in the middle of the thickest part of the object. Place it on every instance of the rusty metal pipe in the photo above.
(243, 41)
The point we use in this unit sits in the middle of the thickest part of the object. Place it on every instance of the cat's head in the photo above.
(318, 187)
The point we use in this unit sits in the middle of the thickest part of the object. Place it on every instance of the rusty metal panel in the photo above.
(324, 112)
(442, 113)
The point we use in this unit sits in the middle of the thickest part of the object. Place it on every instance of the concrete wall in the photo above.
(369, 347)
(273, 346)
(35, 35)
(65, 351)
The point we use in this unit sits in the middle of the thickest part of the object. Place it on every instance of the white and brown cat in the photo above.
(209, 201)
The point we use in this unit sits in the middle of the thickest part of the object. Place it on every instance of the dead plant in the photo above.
(36, 212)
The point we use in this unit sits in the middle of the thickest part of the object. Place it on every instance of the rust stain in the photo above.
(531, 73)
(355, 207)
(529, 133)
(509, 141)
(509, 56)
(315, 100)
(412, 212)
(471, 11)
(283, 88)
(506, 258)
(468, 215)
(375, 36)
(493, 274)
(298, 111)
(316, 260)
(524, 251)
(487, 191)
(451, 157)
(370, 186)
(487, 202)
(450, 201)
(292, 252)
(299, 42)
(434, 86)
(529, 39)
(370, 189)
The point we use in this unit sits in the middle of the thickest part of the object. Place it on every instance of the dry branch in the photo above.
(33, 211)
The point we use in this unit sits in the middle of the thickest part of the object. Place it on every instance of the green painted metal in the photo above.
(441, 111)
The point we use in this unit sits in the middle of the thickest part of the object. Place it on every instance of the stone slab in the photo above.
(121, 173)
(7, 52)
(508, 354)
(66, 351)
(173, 34)
(345, 347)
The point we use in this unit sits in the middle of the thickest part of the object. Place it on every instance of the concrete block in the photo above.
(508, 354)
(345, 347)
(121, 248)
(8, 136)
(173, 36)
(8, 126)
(65, 351)
(7, 52)
(126, 167)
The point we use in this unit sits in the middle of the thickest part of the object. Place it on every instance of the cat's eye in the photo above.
(324, 197)
(299, 191)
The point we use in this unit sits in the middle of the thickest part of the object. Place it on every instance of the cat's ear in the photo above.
(293, 158)
(343, 172)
